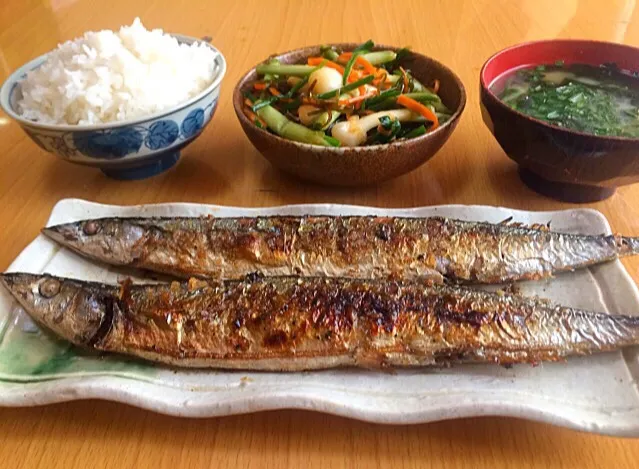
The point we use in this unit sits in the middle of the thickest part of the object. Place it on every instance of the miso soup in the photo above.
(599, 100)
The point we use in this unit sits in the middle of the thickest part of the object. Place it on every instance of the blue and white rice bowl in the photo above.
(132, 149)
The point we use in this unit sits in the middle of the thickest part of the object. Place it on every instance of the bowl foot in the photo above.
(564, 191)
(144, 169)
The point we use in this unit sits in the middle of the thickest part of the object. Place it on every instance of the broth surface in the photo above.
(597, 100)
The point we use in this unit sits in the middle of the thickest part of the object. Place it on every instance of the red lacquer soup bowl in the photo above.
(563, 164)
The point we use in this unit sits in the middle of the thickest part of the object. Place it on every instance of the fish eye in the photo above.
(91, 228)
(49, 288)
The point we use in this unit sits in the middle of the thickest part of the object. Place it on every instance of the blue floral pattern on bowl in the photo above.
(193, 123)
(108, 144)
(162, 134)
(119, 142)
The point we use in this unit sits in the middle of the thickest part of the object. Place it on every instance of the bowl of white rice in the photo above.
(124, 101)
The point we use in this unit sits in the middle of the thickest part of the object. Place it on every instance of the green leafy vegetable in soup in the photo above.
(597, 100)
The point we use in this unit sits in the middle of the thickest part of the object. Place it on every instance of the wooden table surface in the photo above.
(222, 167)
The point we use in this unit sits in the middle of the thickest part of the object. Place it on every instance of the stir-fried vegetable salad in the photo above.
(344, 98)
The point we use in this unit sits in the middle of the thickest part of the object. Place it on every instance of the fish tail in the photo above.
(631, 325)
(627, 246)
(627, 328)
(611, 331)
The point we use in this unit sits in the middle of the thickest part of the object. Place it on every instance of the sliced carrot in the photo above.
(354, 76)
(366, 65)
(362, 90)
(274, 91)
(254, 117)
(327, 63)
(259, 86)
(344, 57)
(419, 108)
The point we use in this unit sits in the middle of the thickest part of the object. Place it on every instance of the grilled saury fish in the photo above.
(357, 247)
(301, 324)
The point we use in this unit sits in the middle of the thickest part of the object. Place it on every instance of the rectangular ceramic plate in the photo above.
(597, 393)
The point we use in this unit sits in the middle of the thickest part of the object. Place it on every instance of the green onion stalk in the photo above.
(284, 70)
(329, 53)
(380, 57)
(416, 132)
(278, 123)
(275, 68)
(366, 47)
(345, 89)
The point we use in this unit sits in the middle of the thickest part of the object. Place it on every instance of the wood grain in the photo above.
(223, 168)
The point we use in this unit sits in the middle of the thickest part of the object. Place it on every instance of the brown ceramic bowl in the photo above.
(560, 163)
(355, 166)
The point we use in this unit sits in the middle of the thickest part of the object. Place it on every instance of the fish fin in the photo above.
(508, 222)
(511, 288)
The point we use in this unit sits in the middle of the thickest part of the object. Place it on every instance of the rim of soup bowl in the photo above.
(486, 87)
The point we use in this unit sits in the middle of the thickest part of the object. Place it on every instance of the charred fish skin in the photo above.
(292, 324)
(359, 247)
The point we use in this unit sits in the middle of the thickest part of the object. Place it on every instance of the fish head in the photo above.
(61, 305)
(110, 240)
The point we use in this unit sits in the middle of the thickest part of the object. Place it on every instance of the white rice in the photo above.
(112, 76)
